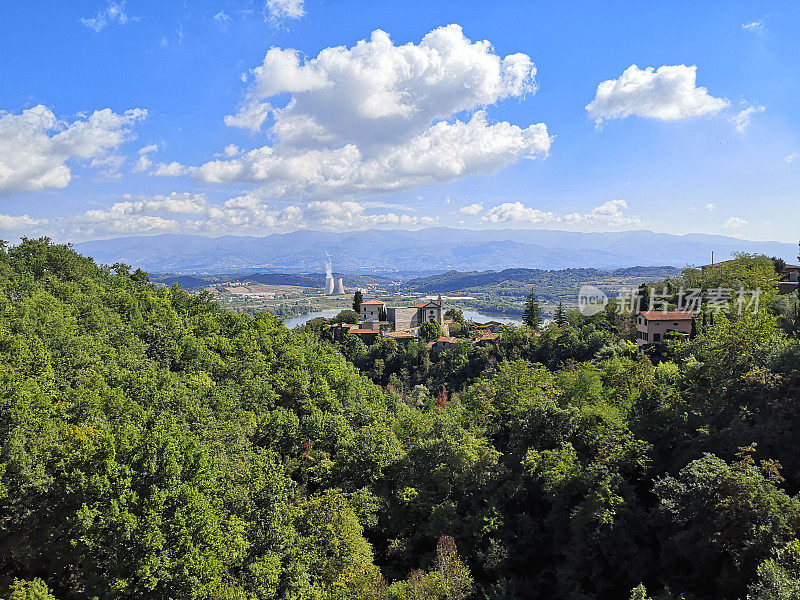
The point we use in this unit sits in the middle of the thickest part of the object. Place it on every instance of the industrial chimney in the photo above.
(328, 276)
(339, 289)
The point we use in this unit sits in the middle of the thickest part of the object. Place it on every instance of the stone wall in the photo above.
(402, 317)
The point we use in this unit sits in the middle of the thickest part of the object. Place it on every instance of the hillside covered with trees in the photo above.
(153, 445)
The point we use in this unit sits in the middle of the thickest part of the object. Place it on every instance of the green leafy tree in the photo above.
(532, 317)
(358, 298)
(778, 576)
(720, 521)
(456, 314)
(35, 589)
(346, 316)
(450, 579)
(560, 317)
(431, 331)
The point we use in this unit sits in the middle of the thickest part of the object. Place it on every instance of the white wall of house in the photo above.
(370, 312)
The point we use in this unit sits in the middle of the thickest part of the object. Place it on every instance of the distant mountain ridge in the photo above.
(431, 250)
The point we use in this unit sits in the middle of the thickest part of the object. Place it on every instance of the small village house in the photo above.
(371, 310)
(651, 326)
(443, 343)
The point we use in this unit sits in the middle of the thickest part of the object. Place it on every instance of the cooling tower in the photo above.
(328, 285)
(339, 287)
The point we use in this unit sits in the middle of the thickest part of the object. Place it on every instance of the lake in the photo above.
(481, 317)
(292, 322)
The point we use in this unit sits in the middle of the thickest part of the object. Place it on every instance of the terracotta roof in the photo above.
(670, 315)
(376, 331)
(400, 334)
(488, 336)
(448, 340)
(429, 345)
(424, 304)
(372, 302)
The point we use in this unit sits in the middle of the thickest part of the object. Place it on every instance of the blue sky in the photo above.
(114, 117)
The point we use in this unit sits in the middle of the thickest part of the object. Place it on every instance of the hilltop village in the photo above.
(373, 319)
(442, 329)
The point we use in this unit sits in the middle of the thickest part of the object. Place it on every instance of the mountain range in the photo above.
(431, 250)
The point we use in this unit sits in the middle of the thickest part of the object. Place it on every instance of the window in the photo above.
(656, 337)
(674, 324)
(656, 324)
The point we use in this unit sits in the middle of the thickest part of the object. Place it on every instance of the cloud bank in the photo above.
(669, 93)
(609, 214)
(35, 146)
(378, 117)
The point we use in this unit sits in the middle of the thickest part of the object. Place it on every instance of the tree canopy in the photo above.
(154, 445)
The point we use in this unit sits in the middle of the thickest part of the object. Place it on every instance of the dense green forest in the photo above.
(153, 445)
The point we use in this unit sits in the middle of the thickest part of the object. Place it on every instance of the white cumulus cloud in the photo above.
(250, 116)
(609, 214)
(143, 163)
(734, 223)
(669, 93)
(517, 212)
(351, 215)
(444, 152)
(378, 93)
(35, 146)
(172, 169)
(249, 213)
(378, 117)
(471, 209)
(19, 222)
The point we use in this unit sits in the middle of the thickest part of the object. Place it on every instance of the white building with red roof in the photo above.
(411, 317)
(371, 310)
